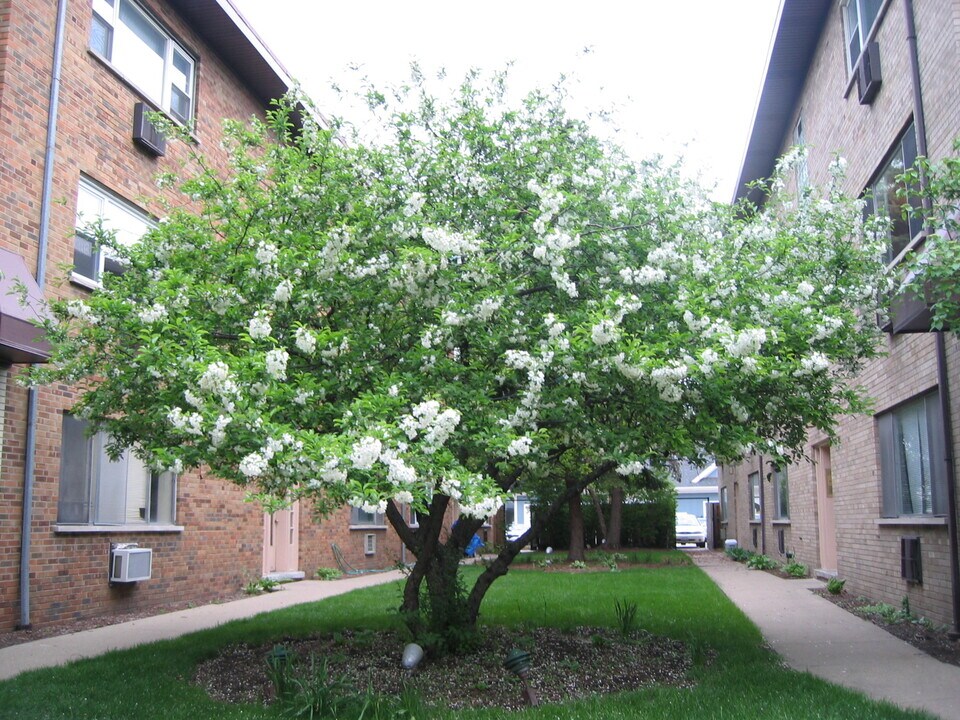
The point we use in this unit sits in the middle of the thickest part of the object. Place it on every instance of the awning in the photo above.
(21, 341)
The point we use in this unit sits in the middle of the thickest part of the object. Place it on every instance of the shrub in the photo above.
(626, 616)
(835, 585)
(326, 573)
(795, 569)
(578, 565)
(739, 554)
(262, 585)
(761, 562)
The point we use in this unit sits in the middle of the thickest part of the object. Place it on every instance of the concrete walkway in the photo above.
(89, 643)
(812, 634)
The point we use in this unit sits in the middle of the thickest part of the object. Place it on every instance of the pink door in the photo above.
(826, 522)
(281, 540)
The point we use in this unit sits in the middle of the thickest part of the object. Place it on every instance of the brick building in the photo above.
(72, 76)
(875, 81)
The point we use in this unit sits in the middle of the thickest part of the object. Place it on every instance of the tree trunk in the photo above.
(616, 518)
(601, 520)
(576, 550)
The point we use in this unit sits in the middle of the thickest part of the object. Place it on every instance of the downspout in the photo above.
(942, 377)
(30, 451)
(763, 512)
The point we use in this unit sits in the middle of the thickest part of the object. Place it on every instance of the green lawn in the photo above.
(743, 681)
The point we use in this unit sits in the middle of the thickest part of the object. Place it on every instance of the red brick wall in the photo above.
(220, 548)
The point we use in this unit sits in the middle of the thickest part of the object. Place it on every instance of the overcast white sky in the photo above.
(682, 75)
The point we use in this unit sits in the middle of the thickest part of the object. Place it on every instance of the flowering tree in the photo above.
(935, 271)
(486, 297)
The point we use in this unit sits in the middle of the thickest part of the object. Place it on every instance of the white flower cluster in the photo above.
(305, 340)
(365, 453)
(189, 424)
(744, 343)
(414, 204)
(266, 253)
(447, 242)
(152, 314)
(645, 275)
(816, 362)
(484, 508)
(283, 291)
(430, 424)
(219, 432)
(217, 380)
(276, 363)
(519, 447)
(259, 326)
(669, 379)
(604, 332)
(81, 311)
(634, 467)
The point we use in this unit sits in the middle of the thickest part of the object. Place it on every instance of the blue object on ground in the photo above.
(474, 545)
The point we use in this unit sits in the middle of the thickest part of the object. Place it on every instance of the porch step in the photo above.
(286, 576)
(821, 574)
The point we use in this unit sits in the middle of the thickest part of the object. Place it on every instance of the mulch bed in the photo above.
(566, 665)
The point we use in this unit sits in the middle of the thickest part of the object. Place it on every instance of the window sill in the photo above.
(131, 528)
(368, 527)
(781, 521)
(85, 282)
(932, 520)
(756, 522)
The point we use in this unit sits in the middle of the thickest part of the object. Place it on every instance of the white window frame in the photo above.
(97, 204)
(361, 519)
(853, 28)
(116, 42)
(901, 158)
(370, 544)
(105, 493)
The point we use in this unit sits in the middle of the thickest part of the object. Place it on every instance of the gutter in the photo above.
(29, 462)
(942, 376)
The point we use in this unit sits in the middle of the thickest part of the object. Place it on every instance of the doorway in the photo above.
(281, 543)
(826, 520)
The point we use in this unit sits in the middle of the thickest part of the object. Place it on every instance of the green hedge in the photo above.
(649, 524)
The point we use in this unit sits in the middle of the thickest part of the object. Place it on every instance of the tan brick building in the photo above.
(72, 73)
(876, 82)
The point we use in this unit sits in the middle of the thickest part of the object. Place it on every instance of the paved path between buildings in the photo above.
(62, 649)
(812, 634)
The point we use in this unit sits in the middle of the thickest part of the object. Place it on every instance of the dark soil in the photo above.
(565, 665)
(931, 639)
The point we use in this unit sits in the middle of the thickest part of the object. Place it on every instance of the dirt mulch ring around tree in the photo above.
(565, 665)
(931, 639)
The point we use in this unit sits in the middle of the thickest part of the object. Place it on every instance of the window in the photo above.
(912, 458)
(724, 508)
(359, 516)
(145, 54)
(755, 505)
(95, 204)
(370, 544)
(858, 19)
(781, 494)
(96, 490)
(886, 195)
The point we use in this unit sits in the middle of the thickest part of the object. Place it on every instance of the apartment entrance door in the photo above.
(281, 540)
(826, 521)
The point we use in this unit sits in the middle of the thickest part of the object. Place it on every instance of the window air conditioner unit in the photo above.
(130, 564)
(868, 73)
(145, 134)
(911, 569)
